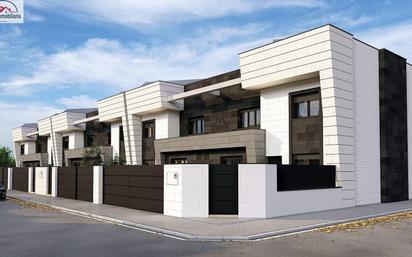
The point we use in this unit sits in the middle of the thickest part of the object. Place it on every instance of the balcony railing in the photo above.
(302, 177)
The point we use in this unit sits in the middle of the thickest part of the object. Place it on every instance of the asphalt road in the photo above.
(34, 232)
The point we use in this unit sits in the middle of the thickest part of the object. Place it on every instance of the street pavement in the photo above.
(31, 230)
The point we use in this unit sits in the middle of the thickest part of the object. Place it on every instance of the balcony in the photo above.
(253, 140)
(107, 154)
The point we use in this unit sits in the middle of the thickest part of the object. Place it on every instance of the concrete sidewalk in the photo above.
(214, 228)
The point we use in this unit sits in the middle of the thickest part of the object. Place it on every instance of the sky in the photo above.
(68, 54)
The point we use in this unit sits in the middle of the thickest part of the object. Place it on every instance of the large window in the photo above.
(149, 129)
(250, 118)
(306, 159)
(307, 109)
(178, 161)
(22, 149)
(197, 126)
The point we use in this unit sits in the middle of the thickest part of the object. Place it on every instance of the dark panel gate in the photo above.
(136, 187)
(85, 183)
(223, 189)
(21, 179)
(66, 182)
(3, 180)
(75, 183)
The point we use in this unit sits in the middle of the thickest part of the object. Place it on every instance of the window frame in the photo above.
(152, 128)
(193, 125)
(256, 116)
(64, 141)
(182, 161)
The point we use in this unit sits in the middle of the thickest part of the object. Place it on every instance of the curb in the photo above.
(189, 237)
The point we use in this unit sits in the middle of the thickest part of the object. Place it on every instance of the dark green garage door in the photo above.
(223, 189)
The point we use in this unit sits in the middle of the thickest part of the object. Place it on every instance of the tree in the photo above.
(92, 156)
(117, 161)
(6, 157)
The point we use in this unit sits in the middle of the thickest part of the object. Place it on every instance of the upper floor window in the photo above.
(109, 138)
(90, 140)
(197, 126)
(149, 129)
(65, 143)
(22, 149)
(250, 118)
(306, 105)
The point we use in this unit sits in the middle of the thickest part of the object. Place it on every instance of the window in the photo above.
(22, 149)
(38, 147)
(197, 126)
(179, 161)
(307, 109)
(109, 138)
(306, 159)
(149, 162)
(121, 135)
(275, 160)
(250, 118)
(90, 140)
(301, 110)
(232, 160)
(149, 129)
(65, 143)
(314, 107)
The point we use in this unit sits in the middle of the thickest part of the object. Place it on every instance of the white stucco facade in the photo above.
(76, 139)
(367, 133)
(274, 108)
(325, 53)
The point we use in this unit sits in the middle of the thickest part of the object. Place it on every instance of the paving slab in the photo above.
(215, 227)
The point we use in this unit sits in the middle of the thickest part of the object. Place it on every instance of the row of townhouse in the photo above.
(321, 97)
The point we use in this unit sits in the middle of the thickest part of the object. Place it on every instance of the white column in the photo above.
(31, 177)
(10, 178)
(57, 149)
(98, 184)
(115, 138)
(17, 154)
(54, 181)
(42, 180)
(132, 130)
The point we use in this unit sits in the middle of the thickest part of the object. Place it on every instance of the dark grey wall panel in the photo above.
(393, 127)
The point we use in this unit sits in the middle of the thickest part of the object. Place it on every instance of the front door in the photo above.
(223, 189)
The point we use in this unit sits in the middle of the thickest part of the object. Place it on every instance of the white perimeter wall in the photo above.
(42, 180)
(367, 133)
(409, 90)
(259, 198)
(274, 105)
(186, 190)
